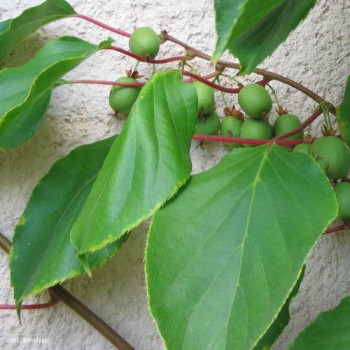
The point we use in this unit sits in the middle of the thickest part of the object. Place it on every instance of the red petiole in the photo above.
(28, 306)
(100, 24)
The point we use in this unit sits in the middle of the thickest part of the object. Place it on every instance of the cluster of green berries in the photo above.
(208, 120)
(333, 156)
(330, 152)
(256, 102)
(145, 43)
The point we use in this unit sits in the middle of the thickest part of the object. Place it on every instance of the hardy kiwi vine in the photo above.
(244, 125)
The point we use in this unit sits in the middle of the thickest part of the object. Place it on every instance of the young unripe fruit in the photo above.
(342, 191)
(208, 125)
(144, 42)
(332, 155)
(205, 96)
(255, 100)
(231, 127)
(285, 123)
(257, 129)
(121, 98)
(302, 148)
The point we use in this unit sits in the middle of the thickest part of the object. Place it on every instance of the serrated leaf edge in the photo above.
(284, 301)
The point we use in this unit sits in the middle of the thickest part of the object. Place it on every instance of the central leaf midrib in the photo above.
(254, 185)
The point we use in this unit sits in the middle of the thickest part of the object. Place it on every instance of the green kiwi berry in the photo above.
(208, 124)
(332, 154)
(258, 129)
(144, 42)
(121, 98)
(255, 100)
(342, 192)
(285, 123)
(302, 148)
(205, 96)
(231, 127)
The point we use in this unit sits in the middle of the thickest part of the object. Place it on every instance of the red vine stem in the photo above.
(142, 59)
(213, 85)
(243, 141)
(336, 229)
(100, 24)
(102, 82)
(28, 306)
(60, 294)
(268, 76)
(203, 78)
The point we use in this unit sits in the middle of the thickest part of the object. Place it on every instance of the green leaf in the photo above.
(343, 115)
(13, 31)
(330, 330)
(281, 320)
(146, 165)
(25, 90)
(42, 253)
(223, 256)
(253, 29)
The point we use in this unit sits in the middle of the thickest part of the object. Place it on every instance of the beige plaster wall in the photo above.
(316, 54)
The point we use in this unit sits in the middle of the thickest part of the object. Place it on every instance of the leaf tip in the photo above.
(85, 263)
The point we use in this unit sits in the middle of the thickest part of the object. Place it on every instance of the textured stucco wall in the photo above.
(316, 54)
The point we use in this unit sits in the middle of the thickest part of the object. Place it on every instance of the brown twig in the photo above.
(266, 74)
(58, 293)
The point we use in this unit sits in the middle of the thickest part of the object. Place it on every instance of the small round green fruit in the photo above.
(205, 96)
(144, 42)
(121, 98)
(302, 148)
(208, 125)
(231, 127)
(285, 123)
(332, 154)
(255, 100)
(342, 191)
(257, 129)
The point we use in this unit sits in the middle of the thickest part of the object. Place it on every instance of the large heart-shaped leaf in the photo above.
(146, 165)
(330, 330)
(343, 115)
(25, 90)
(253, 29)
(12, 31)
(281, 320)
(223, 256)
(42, 253)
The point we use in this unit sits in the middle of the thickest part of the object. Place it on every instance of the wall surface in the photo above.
(317, 54)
